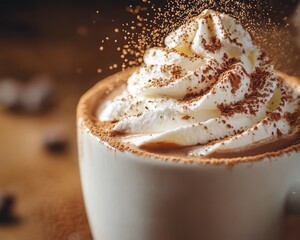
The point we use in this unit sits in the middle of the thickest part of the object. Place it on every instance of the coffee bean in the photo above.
(55, 140)
(10, 91)
(7, 201)
(37, 96)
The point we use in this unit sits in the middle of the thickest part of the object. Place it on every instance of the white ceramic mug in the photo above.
(132, 197)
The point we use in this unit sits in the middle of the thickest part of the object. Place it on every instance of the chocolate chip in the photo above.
(7, 201)
(10, 91)
(38, 95)
(55, 140)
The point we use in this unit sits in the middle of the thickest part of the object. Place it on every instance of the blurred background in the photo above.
(49, 56)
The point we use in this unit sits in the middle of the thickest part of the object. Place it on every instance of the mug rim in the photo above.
(87, 121)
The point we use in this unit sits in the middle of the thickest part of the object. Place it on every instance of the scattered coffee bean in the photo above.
(7, 201)
(10, 91)
(55, 140)
(37, 96)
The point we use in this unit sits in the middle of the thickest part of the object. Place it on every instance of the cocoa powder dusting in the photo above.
(257, 79)
(293, 118)
(274, 116)
(235, 81)
(186, 117)
(279, 133)
(149, 27)
(92, 126)
(214, 46)
(175, 72)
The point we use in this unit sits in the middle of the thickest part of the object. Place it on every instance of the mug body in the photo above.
(133, 197)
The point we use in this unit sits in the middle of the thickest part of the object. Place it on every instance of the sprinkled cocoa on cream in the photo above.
(209, 92)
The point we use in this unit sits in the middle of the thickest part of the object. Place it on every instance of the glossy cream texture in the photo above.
(210, 88)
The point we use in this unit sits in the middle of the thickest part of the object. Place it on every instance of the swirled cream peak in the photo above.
(210, 89)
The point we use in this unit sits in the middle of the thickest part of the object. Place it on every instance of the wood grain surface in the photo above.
(49, 203)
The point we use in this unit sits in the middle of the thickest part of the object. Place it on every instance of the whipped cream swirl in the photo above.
(211, 89)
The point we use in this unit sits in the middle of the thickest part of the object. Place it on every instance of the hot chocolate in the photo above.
(211, 92)
(210, 97)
